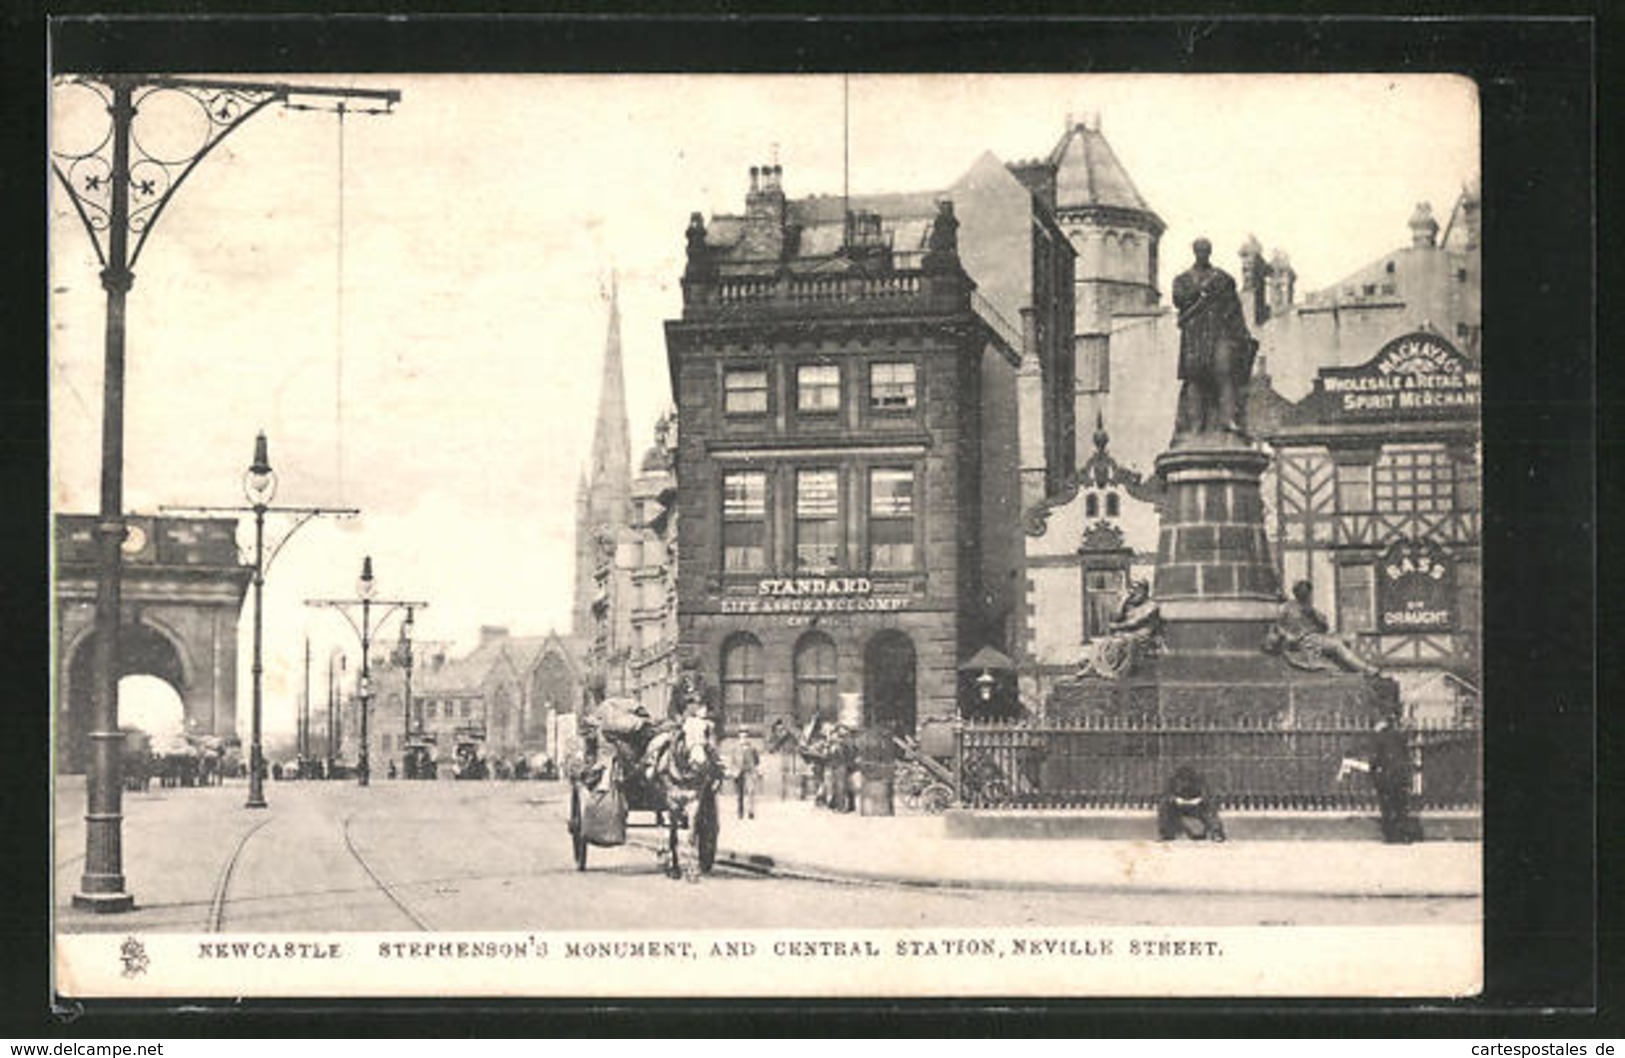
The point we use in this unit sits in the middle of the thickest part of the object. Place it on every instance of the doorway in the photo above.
(889, 683)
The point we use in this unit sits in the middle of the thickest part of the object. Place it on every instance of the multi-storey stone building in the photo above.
(849, 451)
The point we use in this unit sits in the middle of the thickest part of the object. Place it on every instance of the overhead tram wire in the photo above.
(340, 108)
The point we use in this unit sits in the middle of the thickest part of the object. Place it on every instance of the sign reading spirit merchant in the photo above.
(794, 595)
(1415, 376)
(1416, 588)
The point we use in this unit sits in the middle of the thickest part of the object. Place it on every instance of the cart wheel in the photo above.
(936, 798)
(996, 792)
(707, 824)
(578, 839)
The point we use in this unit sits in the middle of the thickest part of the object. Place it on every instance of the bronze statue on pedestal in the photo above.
(1215, 355)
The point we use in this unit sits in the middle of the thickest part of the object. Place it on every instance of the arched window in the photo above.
(1091, 506)
(1113, 506)
(815, 677)
(742, 699)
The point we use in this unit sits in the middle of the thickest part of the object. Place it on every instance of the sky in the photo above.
(413, 307)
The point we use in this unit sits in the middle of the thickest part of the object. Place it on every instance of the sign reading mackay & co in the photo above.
(1415, 376)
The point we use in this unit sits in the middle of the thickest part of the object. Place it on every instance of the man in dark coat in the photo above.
(1187, 809)
(1388, 762)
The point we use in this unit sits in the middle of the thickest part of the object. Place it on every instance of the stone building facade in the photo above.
(849, 450)
(510, 693)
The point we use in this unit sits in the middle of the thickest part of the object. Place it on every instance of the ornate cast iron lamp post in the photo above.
(404, 653)
(259, 486)
(366, 598)
(100, 182)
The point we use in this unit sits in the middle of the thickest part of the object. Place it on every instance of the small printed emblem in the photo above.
(134, 955)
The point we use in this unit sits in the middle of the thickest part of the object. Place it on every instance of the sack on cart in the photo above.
(603, 808)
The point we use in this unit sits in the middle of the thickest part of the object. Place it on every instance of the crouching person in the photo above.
(1187, 809)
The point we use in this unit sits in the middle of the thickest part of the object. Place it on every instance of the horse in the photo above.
(682, 773)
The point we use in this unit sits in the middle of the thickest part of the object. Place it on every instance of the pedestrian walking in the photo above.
(747, 774)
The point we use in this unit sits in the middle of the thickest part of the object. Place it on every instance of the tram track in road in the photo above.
(384, 887)
(222, 884)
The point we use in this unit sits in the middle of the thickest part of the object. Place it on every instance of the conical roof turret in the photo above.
(1089, 176)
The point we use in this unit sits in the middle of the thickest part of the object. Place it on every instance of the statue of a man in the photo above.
(1215, 352)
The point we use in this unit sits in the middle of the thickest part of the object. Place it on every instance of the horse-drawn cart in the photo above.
(667, 773)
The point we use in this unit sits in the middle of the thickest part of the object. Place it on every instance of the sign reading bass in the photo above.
(1417, 376)
(1416, 583)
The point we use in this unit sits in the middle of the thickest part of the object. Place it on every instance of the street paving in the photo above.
(452, 856)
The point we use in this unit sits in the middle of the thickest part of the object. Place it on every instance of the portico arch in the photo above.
(143, 651)
(183, 588)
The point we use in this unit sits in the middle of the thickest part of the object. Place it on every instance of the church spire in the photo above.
(610, 480)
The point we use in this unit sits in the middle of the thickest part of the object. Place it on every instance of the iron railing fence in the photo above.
(1125, 762)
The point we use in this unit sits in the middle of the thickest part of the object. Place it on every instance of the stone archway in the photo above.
(184, 582)
(143, 651)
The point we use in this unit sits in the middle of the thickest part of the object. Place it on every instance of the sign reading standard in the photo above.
(1415, 376)
(813, 595)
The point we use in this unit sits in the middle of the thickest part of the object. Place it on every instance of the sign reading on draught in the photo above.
(1416, 588)
(1416, 376)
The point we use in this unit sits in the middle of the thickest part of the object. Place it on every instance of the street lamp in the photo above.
(365, 589)
(408, 628)
(366, 592)
(259, 486)
(100, 182)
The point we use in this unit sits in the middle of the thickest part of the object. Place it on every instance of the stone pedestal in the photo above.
(1217, 588)
(1215, 581)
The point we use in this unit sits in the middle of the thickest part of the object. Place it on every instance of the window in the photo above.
(891, 518)
(1354, 488)
(1355, 606)
(1114, 507)
(468, 710)
(1091, 506)
(742, 699)
(1414, 479)
(744, 520)
(815, 677)
(818, 388)
(818, 525)
(1389, 268)
(1466, 485)
(891, 386)
(431, 709)
(744, 391)
(1102, 593)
